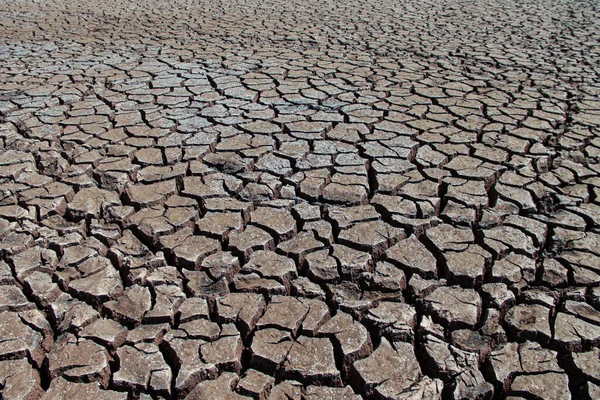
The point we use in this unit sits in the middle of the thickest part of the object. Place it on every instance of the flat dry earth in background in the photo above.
(299, 199)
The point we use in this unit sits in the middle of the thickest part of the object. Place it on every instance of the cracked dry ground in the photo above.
(299, 199)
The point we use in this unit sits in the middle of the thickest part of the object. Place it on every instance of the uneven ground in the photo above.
(300, 199)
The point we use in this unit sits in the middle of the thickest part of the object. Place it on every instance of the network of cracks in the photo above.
(299, 200)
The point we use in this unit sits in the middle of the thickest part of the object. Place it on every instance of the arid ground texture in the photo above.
(299, 199)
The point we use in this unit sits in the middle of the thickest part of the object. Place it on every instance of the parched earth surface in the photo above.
(299, 199)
